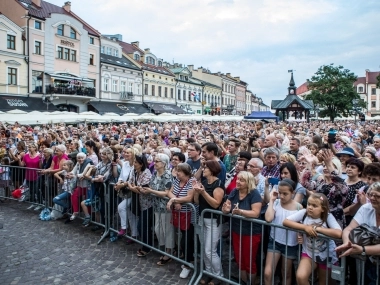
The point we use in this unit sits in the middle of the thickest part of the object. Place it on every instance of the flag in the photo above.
(192, 94)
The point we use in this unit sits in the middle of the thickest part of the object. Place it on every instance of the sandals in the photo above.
(163, 261)
(141, 253)
(205, 280)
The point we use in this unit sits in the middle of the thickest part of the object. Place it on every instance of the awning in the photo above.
(68, 77)
(27, 104)
(159, 108)
(115, 107)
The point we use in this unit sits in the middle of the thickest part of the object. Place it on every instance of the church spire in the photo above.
(292, 85)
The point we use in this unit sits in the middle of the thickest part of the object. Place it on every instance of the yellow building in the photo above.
(13, 62)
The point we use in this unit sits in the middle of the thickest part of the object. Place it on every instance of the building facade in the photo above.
(228, 94)
(189, 90)
(62, 50)
(240, 90)
(13, 61)
(369, 92)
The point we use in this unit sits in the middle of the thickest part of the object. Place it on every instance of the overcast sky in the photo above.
(256, 40)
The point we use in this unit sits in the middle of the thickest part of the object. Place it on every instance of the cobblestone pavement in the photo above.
(39, 252)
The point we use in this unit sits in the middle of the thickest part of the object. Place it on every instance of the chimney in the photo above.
(237, 78)
(219, 73)
(136, 44)
(67, 6)
(228, 74)
(190, 67)
(366, 75)
(147, 50)
(37, 2)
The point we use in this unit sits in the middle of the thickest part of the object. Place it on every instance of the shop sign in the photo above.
(16, 103)
(67, 43)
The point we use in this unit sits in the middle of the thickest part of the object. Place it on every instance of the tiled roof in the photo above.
(129, 48)
(283, 104)
(360, 80)
(158, 69)
(371, 76)
(124, 62)
(177, 69)
(302, 89)
(47, 9)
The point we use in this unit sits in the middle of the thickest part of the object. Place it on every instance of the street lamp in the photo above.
(47, 100)
(355, 103)
(150, 106)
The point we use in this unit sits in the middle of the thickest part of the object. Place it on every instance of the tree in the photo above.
(332, 87)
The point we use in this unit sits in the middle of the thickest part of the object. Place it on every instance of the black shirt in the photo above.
(209, 188)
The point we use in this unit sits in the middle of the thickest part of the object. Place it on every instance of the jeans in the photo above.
(63, 200)
(211, 238)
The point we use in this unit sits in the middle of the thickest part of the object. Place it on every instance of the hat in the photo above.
(245, 154)
(128, 140)
(347, 150)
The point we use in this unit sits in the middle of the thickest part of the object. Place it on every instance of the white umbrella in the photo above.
(145, 117)
(16, 111)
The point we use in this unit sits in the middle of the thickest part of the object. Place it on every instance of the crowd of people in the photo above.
(318, 178)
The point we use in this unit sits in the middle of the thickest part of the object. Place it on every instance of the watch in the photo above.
(363, 252)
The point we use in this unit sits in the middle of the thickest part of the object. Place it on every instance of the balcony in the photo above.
(128, 96)
(71, 90)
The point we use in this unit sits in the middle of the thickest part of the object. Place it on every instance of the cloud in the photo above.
(256, 40)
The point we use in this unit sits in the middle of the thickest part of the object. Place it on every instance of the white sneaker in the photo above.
(37, 208)
(185, 273)
(31, 207)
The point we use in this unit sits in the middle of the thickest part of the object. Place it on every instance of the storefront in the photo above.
(102, 107)
(27, 104)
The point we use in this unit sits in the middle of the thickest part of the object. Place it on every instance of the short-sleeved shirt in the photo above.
(247, 228)
(180, 192)
(366, 214)
(322, 248)
(209, 188)
(195, 165)
(161, 183)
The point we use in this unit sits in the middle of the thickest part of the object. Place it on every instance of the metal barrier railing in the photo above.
(155, 225)
(240, 253)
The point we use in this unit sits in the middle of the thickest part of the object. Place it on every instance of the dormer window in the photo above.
(360, 89)
(102, 49)
(150, 60)
(160, 63)
(60, 30)
(73, 33)
(186, 78)
(116, 52)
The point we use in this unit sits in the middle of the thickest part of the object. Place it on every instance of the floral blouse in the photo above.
(161, 183)
(336, 192)
(142, 179)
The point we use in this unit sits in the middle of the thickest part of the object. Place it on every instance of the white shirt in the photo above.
(366, 214)
(125, 171)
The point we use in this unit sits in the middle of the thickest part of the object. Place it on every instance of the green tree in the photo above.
(332, 87)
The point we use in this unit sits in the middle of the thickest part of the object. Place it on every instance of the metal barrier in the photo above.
(152, 228)
(255, 260)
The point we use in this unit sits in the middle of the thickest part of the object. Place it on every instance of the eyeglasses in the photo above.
(371, 195)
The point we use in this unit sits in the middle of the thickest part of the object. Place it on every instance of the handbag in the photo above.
(364, 235)
(180, 219)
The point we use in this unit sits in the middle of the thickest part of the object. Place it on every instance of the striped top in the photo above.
(180, 192)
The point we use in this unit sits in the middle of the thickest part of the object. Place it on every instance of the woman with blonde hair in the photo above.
(287, 157)
(245, 201)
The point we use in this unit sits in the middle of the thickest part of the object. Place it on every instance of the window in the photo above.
(123, 86)
(137, 56)
(37, 47)
(373, 104)
(150, 60)
(60, 30)
(373, 91)
(130, 87)
(102, 49)
(92, 41)
(60, 52)
(146, 89)
(171, 92)
(116, 52)
(73, 55)
(66, 54)
(105, 84)
(109, 51)
(159, 91)
(179, 94)
(91, 59)
(12, 76)
(153, 90)
(37, 25)
(181, 77)
(73, 33)
(138, 89)
(160, 63)
(166, 92)
(184, 95)
(189, 98)
(37, 81)
(11, 42)
(114, 85)
(360, 89)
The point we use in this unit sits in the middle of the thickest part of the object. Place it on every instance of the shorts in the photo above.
(320, 265)
(292, 251)
(94, 203)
